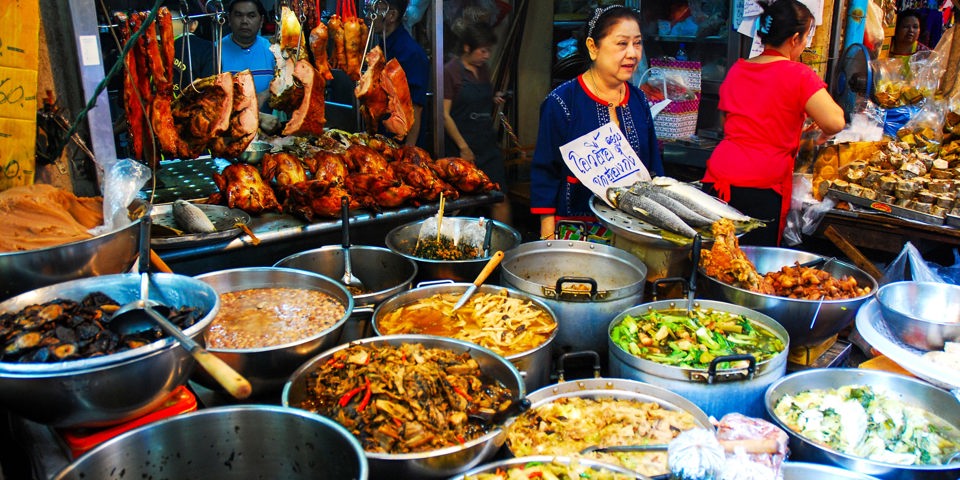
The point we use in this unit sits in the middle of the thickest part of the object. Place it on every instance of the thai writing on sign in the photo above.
(602, 159)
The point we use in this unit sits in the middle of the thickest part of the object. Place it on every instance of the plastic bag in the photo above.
(660, 83)
(909, 80)
(909, 265)
(924, 131)
(806, 211)
(951, 274)
(895, 118)
(865, 126)
(121, 180)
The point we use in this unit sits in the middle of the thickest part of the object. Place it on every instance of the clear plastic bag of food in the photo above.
(121, 179)
(661, 84)
(924, 131)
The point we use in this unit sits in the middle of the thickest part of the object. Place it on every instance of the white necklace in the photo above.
(593, 79)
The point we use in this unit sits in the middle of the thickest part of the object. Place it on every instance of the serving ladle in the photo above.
(349, 279)
(144, 314)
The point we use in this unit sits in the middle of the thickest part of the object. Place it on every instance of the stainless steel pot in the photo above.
(717, 392)
(385, 273)
(491, 468)
(438, 463)
(809, 471)
(620, 389)
(542, 269)
(109, 253)
(237, 442)
(268, 368)
(909, 390)
(107, 389)
(403, 240)
(534, 365)
(809, 322)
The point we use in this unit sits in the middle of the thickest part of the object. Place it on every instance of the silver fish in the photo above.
(649, 211)
(688, 215)
(191, 218)
(693, 196)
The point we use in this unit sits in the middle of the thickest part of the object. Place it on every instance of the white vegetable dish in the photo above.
(871, 423)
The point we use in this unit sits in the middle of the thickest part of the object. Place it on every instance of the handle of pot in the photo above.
(586, 353)
(580, 226)
(695, 259)
(143, 261)
(683, 282)
(751, 367)
(588, 280)
(430, 283)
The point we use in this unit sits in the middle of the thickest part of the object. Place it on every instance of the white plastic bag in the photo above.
(121, 180)
(909, 265)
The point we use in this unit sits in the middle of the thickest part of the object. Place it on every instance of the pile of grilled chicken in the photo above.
(217, 113)
(372, 171)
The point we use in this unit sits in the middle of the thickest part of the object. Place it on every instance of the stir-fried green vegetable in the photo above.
(671, 337)
(872, 423)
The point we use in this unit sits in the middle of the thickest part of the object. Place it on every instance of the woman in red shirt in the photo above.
(764, 102)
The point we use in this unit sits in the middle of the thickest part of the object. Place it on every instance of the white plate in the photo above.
(874, 330)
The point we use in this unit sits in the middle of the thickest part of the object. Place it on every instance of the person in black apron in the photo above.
(468, 103)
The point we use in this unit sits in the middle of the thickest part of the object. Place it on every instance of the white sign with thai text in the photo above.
(602, 159)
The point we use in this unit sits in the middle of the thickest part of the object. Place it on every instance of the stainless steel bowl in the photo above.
(105, 254)
(438, 463)
(384, 273)
(809, 322)
(236, 442)
(595, 465)
(255, 152)
(112, 388)
(923, 315)
(909, 390)
(533, 364)
(403, 240)
(810, 471)
(268, 368)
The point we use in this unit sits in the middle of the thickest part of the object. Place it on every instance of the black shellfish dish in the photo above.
(61, 330)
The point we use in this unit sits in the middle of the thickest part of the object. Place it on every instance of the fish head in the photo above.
(614, 193)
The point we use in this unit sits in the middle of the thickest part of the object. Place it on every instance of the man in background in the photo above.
(244, 48)
(397, 43)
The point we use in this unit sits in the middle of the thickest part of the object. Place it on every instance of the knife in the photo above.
(487, 270)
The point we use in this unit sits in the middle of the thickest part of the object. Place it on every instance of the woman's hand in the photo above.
(467, 154)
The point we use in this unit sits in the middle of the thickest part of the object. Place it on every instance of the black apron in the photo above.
(471, 111)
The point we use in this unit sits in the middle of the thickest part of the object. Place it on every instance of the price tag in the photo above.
(20, 35)
(17, 147)
(602, 159)
(18, 93)
(19, 50)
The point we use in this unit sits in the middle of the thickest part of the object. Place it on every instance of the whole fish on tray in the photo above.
(674, 206)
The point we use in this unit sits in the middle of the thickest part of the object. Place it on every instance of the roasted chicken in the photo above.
(327, 166)
(413, 168)
(242, 187)
(463, 175)
(313, 199)
(318, 47)
(335, 27)
(284, 168)
(399, 103)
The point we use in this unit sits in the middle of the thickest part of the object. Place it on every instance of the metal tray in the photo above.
(225, 219)
(953, 220)
(886, 208)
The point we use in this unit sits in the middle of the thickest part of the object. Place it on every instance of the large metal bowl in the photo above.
(533, 364)
(494, 467)
(809, 322)
(909, 390)
(403, 240)
(384, 273)
(235, 442)
(113, 388)
(105, 254)
(440, 463)
(268, 368)
(809, 471)
(923, 315)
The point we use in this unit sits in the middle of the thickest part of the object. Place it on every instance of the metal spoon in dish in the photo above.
(487, 270)
(144, 314)
(354, 285)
